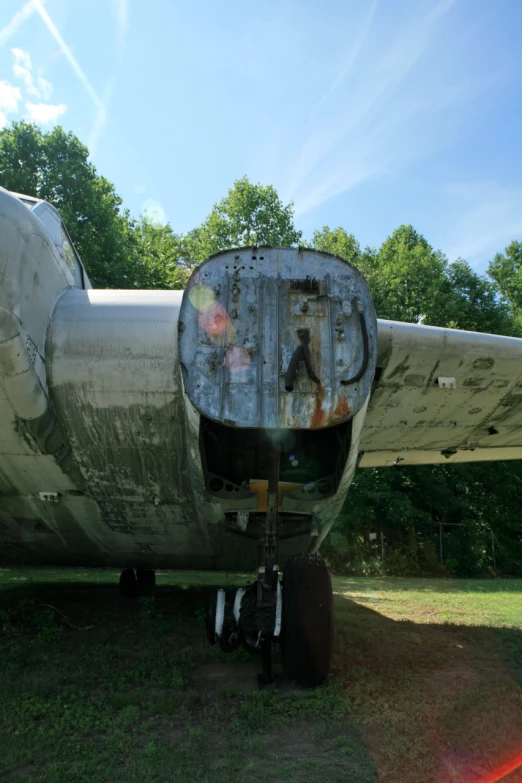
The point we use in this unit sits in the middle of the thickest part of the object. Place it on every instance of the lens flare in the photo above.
(154, 212)
(295, 463)
(237, 358)
(214, 320)
(503, 770)
(201, 297)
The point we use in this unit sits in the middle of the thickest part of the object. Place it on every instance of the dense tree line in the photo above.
(410, 281)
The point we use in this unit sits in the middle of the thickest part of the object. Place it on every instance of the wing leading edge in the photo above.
(443, 395)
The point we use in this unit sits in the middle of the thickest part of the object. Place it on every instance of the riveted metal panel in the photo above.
(443, 395)
(245, 314)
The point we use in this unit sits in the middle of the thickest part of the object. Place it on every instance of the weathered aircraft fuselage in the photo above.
(135, 425)
(141, 428)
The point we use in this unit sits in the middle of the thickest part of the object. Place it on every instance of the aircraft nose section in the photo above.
(277, 338)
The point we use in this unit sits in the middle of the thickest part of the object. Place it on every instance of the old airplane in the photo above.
(221, 427)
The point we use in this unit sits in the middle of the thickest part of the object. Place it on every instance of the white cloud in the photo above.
(23, 69)
(486, 217)
(34, 87)
(25, 75)
(44, 113)
(22, 58)
(391, 102)
(18, 19)
(120, 11)
(45, 88)
(101, 116)
(3, 120)
(9, 97)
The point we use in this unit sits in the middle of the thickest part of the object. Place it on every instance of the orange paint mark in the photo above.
(503, 770)
(317, 419)
(343, 408)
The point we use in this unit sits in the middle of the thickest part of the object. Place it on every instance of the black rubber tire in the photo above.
(308, 620)
(146, 582)
(128, 586)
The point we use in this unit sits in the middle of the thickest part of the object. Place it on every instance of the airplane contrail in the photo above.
(38, 5)
(121, 12)
(18, 19)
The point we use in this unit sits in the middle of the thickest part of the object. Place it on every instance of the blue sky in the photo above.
(366, 114)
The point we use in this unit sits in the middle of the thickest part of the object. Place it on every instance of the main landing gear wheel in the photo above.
(307, 641)
(128, 587)
(146, 582)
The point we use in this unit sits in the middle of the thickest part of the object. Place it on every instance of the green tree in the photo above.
(338, 242)
(249, 215)
(506, 271)
(408, 277)
(469, 301)
(54, 166)
(163, 256)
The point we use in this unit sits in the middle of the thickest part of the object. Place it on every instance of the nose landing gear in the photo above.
(297, 613)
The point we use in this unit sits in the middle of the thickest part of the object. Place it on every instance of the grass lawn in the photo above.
(426, 686)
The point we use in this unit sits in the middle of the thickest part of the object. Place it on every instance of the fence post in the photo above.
(493, 548)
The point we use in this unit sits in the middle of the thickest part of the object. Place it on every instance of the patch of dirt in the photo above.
(226, 676)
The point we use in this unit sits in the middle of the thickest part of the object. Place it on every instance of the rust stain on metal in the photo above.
(318, 415)
(343, 408)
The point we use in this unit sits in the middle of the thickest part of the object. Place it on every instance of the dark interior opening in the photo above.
(233, 457)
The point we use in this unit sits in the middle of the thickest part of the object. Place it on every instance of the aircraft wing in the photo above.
(443, 395)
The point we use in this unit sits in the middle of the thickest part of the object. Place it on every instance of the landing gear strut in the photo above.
(298, 613)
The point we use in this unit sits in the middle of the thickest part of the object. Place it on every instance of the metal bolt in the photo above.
(340, 363)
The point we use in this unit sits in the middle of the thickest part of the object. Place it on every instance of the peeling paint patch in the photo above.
(318, 415)
(343, 408)
(483, 363)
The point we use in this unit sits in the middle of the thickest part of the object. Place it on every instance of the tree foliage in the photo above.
(249, 215)
(54, 166)
(163, 256)
(506, 271)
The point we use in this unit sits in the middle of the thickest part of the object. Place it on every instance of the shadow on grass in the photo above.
(439, 702)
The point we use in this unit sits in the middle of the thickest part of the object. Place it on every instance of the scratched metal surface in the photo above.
(239, 323)
(415, 419)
